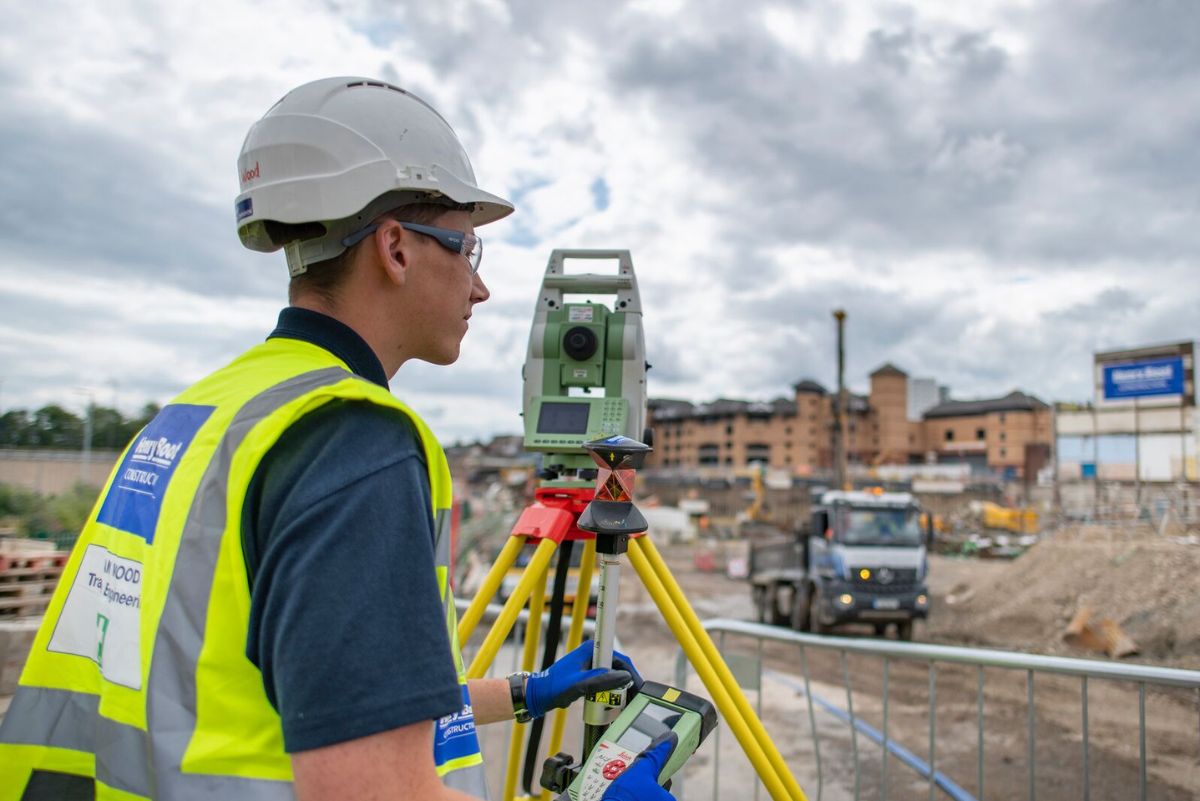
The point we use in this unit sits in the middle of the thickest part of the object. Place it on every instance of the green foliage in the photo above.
(57, 428)
(57, 517)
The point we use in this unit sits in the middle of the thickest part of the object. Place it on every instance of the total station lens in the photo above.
(580, 343)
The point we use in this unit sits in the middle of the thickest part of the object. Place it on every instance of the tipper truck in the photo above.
(861, 558)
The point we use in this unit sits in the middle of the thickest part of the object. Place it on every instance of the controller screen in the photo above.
(652, 722)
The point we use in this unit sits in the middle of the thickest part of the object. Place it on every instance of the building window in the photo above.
(1001, 418)
(1003, 436)
(1003, 453)
(729, 429)
(758, 452)
(949, 435)
(728, 460)
(709, 454)
(980, 434)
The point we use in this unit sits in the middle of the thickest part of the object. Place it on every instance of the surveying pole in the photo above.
(839, 412)
(613, 518)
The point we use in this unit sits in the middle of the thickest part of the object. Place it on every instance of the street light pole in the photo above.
(839, 418)
(87, 434)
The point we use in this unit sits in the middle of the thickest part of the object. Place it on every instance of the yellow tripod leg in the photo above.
(718, 680)
(503, 625)
(583, 594)
(645, 547)
(533, 633)
(489, 588)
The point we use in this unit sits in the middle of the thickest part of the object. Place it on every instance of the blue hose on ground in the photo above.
(944, 782)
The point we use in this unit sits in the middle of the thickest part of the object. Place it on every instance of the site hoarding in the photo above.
(1142, 379)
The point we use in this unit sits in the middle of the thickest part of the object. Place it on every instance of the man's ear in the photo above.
(393, 247)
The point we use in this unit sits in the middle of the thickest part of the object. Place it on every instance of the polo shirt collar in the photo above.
(334, 336)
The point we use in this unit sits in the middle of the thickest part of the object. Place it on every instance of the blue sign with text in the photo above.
(1144, 379)
(135, 497)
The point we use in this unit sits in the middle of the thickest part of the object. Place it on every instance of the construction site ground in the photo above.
(1147, 583)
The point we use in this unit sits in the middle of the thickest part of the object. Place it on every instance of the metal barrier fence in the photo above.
(931, 656)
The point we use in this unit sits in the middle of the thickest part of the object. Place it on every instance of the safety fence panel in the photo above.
(882, 719)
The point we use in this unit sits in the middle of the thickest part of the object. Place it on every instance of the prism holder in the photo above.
(612, 515)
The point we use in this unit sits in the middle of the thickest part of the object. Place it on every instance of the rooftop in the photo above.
(809, 385)
(1015, 401)
(887, 368)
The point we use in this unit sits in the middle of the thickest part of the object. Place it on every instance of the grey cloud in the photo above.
(78, 194)
(974, 151)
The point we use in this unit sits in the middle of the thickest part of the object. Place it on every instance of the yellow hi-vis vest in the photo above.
(138, 682)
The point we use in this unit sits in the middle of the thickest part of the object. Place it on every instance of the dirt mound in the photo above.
(1148, 584)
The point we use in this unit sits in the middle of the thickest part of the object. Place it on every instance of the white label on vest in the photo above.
(102, 616)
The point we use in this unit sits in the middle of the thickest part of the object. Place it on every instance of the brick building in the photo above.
(1005, 435)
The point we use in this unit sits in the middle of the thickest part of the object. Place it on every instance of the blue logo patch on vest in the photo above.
(455, 735)
(135, 498)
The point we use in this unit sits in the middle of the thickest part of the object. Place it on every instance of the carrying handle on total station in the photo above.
(622, 283)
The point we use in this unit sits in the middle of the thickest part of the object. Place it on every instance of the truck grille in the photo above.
(898, 580)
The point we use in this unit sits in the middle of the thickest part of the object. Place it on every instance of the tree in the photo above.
(108, 429)
(55, 427)
(16, 429)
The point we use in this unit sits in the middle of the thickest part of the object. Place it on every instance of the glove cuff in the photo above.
(516, 689)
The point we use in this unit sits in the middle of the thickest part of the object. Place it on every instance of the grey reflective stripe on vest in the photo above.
(171, 689)
(127, 758)
(42, 716)
(64, 719)
(472, 781)
(441, 539)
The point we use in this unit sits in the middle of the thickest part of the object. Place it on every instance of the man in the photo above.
(258, 607)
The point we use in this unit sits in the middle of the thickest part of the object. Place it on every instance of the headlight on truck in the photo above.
(846, 599)
(922, 599)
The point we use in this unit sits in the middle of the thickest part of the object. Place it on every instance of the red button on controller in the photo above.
(613, 769)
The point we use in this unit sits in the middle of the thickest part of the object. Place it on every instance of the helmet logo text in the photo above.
(250, 175)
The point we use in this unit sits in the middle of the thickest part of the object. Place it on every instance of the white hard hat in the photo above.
(336, 153)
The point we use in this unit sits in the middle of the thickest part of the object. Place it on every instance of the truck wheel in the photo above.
(778, 618)
(800, 613)
(904, 630)
(760, 603)
(814, 613)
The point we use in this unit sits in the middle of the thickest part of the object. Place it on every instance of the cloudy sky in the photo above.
(992, 190)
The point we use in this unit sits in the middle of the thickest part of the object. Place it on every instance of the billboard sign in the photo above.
(1144, 378)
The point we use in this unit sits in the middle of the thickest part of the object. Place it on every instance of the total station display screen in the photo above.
(563, 418)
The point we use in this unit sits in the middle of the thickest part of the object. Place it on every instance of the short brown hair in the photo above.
(325, 278)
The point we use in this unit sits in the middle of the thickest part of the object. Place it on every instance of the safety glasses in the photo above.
(469, 246)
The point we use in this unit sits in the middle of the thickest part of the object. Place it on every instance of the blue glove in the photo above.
(571, 678)
(639, 782)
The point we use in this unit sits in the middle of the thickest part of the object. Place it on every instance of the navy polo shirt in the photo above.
(346, 622)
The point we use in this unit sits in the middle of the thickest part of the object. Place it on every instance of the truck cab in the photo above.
(865, 558)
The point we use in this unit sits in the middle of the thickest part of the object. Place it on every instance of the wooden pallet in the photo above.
(27, 582)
